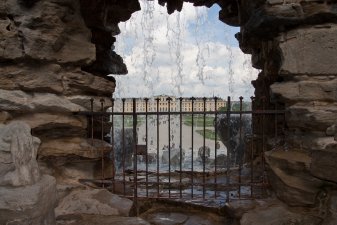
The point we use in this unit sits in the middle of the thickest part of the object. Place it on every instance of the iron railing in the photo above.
(159, 154)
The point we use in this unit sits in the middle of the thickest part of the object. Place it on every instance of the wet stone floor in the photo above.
(156, 213)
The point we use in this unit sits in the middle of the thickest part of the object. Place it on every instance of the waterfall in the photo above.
(187, 53)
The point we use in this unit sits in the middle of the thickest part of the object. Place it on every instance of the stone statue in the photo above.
(18, 150)
(231, 137)
(203, 155)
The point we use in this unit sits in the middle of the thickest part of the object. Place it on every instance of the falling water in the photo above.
(202, 40)
(181, 54)
(174, 37)
(149, 49)
(176, 55)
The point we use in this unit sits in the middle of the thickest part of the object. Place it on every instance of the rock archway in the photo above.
(56, 55)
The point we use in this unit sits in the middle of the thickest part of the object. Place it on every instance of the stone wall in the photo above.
(55, 56)
(294, 44)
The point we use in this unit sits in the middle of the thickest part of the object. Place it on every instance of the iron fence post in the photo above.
(102, 139)
(228, 114)
(215, 144)
(240, 144)
(112, 141)
(134, 126)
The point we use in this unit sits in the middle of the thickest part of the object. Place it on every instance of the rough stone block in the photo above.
(301, 48)
(312, 116)
(53, 78)
(310, 90)
(18, 152)
(290, 177)
(93, 202)
(74, 146)
(323, 165)
(277, 214)
(27, 205)
(39, 102)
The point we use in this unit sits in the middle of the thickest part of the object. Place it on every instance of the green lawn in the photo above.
(198, 120)
(128, 121)
(209, 134)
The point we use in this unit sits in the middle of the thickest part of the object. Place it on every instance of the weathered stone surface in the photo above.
(27, 205)
(102, 18)
(4, 116)
(25, 197)
(332, 130)
(10, 40)
(53, 78)
(71, 169)
(100, 220)
(290, 177)
(85, 102)
(45, 121)
(40, 78)
(47, 31)
(88, 148)
(323, 165)
(312, 116)
(39, 102)
(277, 215)
(262, 21)
(306, 91)
(79, 82)
(93, 202)
(64, 189)
(55, 126)
(331, 217)
(300, 49)
(311, 141)
(237, 208)
(18, 151)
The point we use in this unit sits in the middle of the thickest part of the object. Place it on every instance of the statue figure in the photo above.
(231, 137)
(18, 151)
(204, 154)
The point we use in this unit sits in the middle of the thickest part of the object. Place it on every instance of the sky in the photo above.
(191, 53)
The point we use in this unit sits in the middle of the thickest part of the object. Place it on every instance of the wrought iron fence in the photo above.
(185, 148)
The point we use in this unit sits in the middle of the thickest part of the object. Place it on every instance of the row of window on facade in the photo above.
(199, 104)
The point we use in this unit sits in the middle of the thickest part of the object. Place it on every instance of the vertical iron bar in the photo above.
(204, 153)
(240, 144)
(112, 140)
(169, 142)
(275, 126)
(102, 139)
(228, 146)
(134, 120)
(263, 139)
(157, 100)
(192, 137)
(283, 132)
(146, 146)
(123, 145)
(252, 149)
(92, 121)
(180, 145)
(215, 144)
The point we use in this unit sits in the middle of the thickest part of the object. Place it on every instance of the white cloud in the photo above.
(178, 54)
